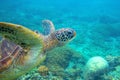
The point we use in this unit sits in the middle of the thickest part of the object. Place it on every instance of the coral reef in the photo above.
(113, 60)
(60, 64)
(59, 59)
(43, 70)
(59, 56)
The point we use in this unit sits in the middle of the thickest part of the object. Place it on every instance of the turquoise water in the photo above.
(96, 22)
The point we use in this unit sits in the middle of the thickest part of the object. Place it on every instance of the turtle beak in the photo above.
(74, 33)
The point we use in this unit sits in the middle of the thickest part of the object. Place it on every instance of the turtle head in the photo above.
(65, 35)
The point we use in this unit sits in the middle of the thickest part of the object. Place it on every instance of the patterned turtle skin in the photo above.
(23, 49)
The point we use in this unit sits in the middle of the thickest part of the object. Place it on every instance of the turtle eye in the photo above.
(69, 32)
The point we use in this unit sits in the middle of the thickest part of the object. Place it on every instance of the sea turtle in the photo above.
(23, 49)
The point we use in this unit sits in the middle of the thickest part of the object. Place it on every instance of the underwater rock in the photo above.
(95, 67)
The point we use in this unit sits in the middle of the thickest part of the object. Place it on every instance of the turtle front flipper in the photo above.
(48, 27)
(19, 34)
(8, 52)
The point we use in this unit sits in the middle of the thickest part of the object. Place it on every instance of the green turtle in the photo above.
(23, 49)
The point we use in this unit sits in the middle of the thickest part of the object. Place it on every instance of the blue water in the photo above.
(97, 22)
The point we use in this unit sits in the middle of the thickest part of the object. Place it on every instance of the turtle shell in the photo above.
(14, 63)
(8, 53)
